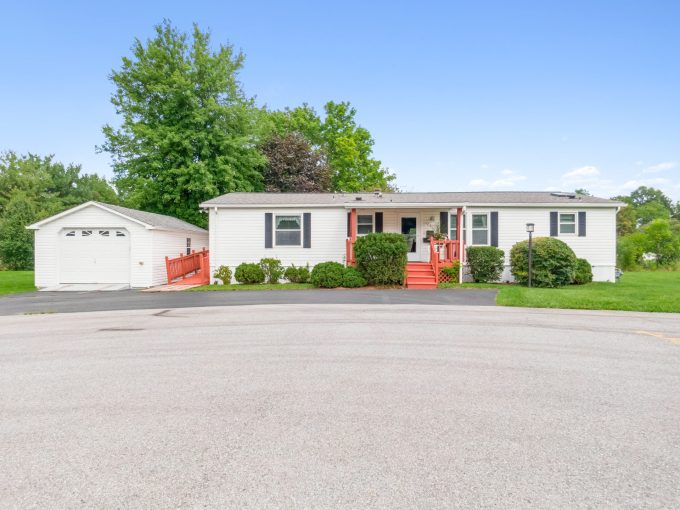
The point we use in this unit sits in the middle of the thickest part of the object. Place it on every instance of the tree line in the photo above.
(648, 230)
(188, 132)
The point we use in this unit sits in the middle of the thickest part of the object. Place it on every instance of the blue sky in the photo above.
(517, 95)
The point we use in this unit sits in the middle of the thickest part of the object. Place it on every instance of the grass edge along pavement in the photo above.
(14, 282)
(657, 291)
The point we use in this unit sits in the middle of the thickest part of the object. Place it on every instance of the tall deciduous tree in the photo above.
(348, 146)
(187, 132)
(294, 166)
(16, 242)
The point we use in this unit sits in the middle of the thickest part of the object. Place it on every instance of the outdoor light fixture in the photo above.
(530, 229)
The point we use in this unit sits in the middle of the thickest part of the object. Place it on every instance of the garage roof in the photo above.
(149, 220)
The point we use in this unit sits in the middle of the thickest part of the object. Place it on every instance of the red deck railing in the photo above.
(442, 253)
(196, 264)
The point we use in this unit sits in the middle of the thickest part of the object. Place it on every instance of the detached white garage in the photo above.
(103, 244)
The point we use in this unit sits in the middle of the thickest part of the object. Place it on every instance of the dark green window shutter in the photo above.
(307, 230)
(349, 224)
(553, 223)
(378, 222)
(582, 224)
(444, 222)
(268, 221)
(494, 229)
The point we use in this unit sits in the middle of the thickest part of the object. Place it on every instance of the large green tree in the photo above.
(16, 242)
(348, 147)
(188, 132)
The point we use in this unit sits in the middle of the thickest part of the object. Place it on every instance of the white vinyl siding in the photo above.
(598, 247)
(237, 235)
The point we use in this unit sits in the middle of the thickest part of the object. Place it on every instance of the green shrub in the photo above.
(629, 251)
(553, 262)
(328, 275)
(297, 274)
(352, 278)
(453, 270)
(249, 273)
(584, 272)
(272, 269)
(485, 263)
(381, 258)
(224, 274)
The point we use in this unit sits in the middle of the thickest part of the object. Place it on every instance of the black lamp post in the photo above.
(530, 229)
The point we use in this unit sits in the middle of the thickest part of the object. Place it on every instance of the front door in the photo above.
(409, 229)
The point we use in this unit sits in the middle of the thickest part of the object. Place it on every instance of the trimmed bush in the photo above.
(381, 258)
(485, 263)
(249, 273)
(352, 278)
(553, 262)
(583, 273)
(224, 274)
(297, 274)
(272, 269)
(328, 275)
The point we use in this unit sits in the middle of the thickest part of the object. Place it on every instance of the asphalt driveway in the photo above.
(343, 406)
(53, 302)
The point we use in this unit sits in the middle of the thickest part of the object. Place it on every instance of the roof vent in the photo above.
(377, 193)
(357, 198)
(562, 194)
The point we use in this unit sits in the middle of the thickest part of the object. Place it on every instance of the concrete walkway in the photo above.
(55, 302)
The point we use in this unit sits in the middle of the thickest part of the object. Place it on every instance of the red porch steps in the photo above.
(420, 275)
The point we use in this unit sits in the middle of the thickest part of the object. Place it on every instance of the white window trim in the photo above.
(559, 224)
(372, 215)
(472, 228)
(277, 245)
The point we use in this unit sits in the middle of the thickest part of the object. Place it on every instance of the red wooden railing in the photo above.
(196, 263)
(442, 253)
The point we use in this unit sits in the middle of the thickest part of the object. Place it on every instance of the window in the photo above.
(71, 233)
(364, 224)
(120, 234)
(453, 231)
(86, 233)
(104, 233)
(188, 245)
(480, 229)
(567, 223)
(288, 230)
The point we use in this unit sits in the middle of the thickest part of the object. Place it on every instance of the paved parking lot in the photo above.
(343, 406)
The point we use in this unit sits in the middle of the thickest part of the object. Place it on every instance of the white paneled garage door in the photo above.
(94, 255)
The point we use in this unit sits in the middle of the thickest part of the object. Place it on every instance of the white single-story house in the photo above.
(308, 228)
(96, 243)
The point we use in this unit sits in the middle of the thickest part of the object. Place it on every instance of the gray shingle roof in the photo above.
(456, 198)
(155, 220)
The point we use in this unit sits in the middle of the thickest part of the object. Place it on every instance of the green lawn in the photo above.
(16, 281)
(263, 286)
(642, 292)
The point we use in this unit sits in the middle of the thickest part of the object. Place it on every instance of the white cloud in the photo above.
(660, 167)
(583, 174)
(508, 179)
